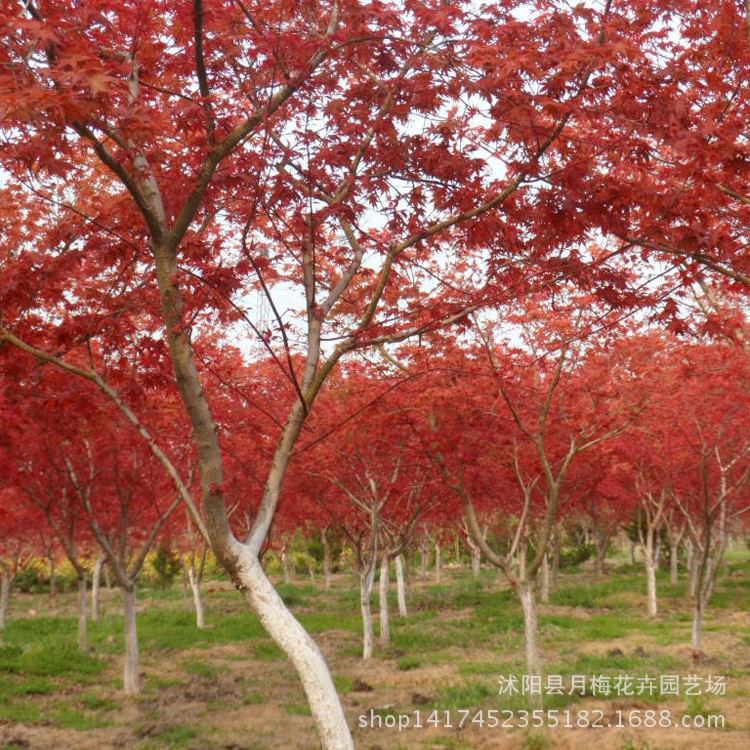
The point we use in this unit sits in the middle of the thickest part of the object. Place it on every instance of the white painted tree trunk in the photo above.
(697, 634)
(130, 678)
(476, 562)
(365, 590)
(82, 613)
(96, 580)
(650, 563)
(4, 597)
(522, 561)
(401, 587)
(195, 587)
(303, 652)
(385, 621)
(544, 591)
(438, 561)
(527, 594)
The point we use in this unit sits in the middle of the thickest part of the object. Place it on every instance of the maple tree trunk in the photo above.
(107, 576)
(82, 613)
(184, 582)
(544, 591)
(651, 565)
(96, 579)
(327, 560)
(522, 561)
(195, 587)
(476, 562)
(52, 577)
(366, 579)
(631, 550)
(673, 563)
(438, 561)
(401, 587)
(697, 631)
(423, 560)
(385, 623)
(555, 573)
(302, 651)
(527, 594)
(602, 546)
(692, 581)
(130, 678)
(4, 597)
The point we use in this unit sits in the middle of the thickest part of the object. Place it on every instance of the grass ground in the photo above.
(230, 687)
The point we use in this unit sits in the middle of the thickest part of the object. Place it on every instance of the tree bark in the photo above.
(4, 597)
(401, 587)
(130, 680)
(96, 579)
(650, 563)
(195, 587)
(82, 613)
(366, 579)
(385, 623)
(544, 591)
(527, 594)
(438, 561)
(327, 559)
(602, 546)
(302, 651)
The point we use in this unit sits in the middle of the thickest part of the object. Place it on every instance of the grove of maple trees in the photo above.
(500, 250)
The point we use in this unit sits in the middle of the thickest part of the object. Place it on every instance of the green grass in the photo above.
(472, 631)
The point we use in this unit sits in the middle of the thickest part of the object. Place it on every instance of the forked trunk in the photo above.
(82, 613)
(130, 681)
(401, 587)
(385, 622)
(302, 651)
